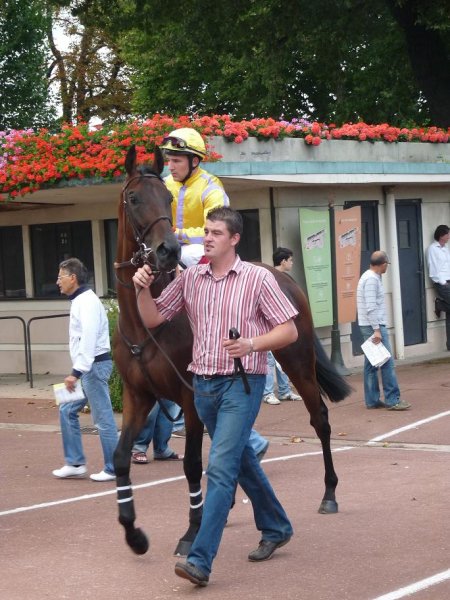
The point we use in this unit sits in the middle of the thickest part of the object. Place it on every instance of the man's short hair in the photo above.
(74, 266)
(440, 231)
(281, 254)
(232, 218)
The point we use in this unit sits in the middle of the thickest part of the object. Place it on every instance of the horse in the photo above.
(153, 363)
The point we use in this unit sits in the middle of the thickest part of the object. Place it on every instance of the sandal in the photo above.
(139, 458)
(173, 456)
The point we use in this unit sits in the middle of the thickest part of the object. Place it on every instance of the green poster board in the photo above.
(315, 237)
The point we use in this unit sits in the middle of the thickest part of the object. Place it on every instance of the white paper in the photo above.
(377, 354)
(62, 394)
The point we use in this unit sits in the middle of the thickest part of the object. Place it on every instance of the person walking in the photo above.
(283, 261)
(157, 428)
(372, 323)
(91, 363)
(217, 296)
(439, 270)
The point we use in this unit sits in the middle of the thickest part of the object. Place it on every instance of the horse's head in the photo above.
(146, 213)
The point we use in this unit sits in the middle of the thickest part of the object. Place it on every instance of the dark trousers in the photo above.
(443, 303)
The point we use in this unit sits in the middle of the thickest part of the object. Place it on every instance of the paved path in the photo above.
(61, 539)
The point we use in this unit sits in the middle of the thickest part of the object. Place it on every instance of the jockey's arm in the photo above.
(150, 315)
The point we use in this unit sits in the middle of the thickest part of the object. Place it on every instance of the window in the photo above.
(54, 242)
(12, 272)
(249, 247)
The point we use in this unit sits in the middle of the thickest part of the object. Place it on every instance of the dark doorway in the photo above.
(410, 256)
(370, 241)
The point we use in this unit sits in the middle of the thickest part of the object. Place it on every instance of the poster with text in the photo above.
(347, 225)
(315, 237)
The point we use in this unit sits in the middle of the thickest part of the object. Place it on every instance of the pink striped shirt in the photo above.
(247, 297)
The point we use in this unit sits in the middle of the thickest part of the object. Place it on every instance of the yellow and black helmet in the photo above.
(184, 141)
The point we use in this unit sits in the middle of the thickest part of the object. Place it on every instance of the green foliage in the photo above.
(115, 382)
(333, 60)
(24, 97)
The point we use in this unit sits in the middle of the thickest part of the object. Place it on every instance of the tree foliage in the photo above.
(24, 96)
(335, 60)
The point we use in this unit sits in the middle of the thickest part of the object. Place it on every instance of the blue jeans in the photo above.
(388, 376)
(96, 390)
(229, 413)
(284, 388)
(159, 429)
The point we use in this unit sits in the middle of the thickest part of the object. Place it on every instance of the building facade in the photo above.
(403, 190)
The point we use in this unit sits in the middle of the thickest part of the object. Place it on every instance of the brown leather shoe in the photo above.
(190, 572)
(265, 550)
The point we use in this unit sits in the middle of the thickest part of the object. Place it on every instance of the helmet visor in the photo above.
(175, 142)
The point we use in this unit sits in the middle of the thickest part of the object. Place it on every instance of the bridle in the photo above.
(141, 256)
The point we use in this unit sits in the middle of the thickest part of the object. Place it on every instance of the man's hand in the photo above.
(143, 278)
(376, 338)
(70, 382)
(238, 348)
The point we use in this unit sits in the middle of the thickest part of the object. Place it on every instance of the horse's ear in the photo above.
(158, 161)
(130, 160)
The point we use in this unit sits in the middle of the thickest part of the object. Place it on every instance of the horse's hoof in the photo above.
(328, 507)
(138, 541)
(183, 548)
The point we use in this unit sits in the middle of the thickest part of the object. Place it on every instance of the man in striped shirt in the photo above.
(372, 323)
(217, 296)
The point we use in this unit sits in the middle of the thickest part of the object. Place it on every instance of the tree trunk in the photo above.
(429, 58)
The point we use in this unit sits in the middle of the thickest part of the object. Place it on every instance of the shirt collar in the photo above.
(237, 266)
(78, 291)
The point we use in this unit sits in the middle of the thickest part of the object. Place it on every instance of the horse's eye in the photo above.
(133, 198)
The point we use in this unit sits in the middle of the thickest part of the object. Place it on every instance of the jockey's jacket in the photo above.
(191, 202)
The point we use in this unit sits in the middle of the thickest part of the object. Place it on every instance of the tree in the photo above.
(333, 60)
(92, 78)
(24, 97)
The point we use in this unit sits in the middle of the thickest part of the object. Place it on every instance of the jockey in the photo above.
(194, 190)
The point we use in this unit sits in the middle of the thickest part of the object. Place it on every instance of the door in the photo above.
(411, 259)
(370, 241)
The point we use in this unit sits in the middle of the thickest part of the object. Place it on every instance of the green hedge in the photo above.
(115, 382)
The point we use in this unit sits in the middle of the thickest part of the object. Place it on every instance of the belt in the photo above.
(215, 376)
(102, 357)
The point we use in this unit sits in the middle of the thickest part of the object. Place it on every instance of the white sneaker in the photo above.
(102, 476)
(271, 399)
(291, 396)
(68, 471)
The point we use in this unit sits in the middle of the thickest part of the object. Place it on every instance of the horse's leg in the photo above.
(192, 465)
(133, 420)
(298, 363)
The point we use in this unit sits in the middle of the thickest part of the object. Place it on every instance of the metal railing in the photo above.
(25, 343)
(28, 336)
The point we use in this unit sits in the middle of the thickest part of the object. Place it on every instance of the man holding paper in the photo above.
(372, 323)
(91, 363)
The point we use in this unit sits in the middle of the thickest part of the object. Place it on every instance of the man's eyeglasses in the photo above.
(176, 142)
(62, 276)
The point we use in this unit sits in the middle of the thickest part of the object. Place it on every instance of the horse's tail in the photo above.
(330, 382)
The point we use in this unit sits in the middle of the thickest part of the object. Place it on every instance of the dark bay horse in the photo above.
(153, 364)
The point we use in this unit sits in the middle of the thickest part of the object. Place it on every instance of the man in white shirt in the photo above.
(439, 270)
(91, 363)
